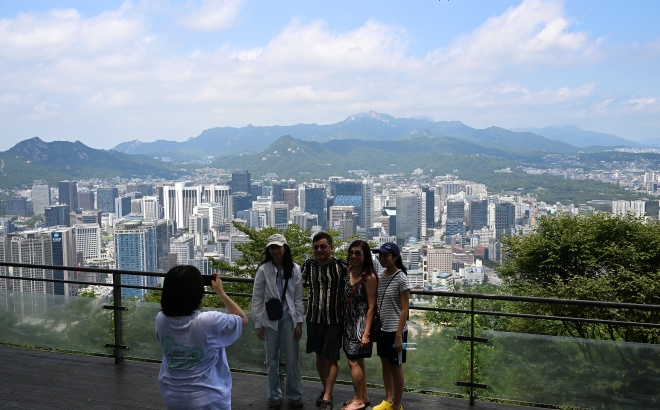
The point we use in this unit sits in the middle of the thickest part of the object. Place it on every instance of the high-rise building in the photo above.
(17, 206)
(290, 197)
(314, 198)
(242, 201)
(32, 247)
(279, 216)
(122, 206)
(150, 208)
(438, 261)
(184, 248)
(136, 250)
(241, 181)
(276, 189)
(57, 215)
(40, 197)
(430, 206)
(88, 240)
(358, 194)
(220, 195)
(478, 214)
(198, 225)
(407, 222)
(105, 199)
(64, 254)
(86, 200)
(504, 218)
(68, 193)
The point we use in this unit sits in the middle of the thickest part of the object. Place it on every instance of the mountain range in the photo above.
(224, 141)
(34, 159)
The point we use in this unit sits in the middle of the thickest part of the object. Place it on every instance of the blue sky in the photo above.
(106, 72)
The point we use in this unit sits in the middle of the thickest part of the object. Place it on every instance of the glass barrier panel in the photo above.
(572, 372)
(55, 321)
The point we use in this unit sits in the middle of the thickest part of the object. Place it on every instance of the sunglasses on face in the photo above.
(321, 247)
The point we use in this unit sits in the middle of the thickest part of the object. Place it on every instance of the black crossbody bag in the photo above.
(275, 306)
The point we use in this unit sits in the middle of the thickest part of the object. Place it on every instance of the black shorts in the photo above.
(385, 347)
(324, 339)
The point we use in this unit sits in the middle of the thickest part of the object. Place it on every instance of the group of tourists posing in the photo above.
(349, 307)
(344, 298)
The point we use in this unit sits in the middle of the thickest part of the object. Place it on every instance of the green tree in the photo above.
(599, 257)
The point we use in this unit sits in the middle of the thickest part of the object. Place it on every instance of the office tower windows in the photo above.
(122, 206)
(32, 247)
(504, 219)
(184, 248)
(241, 181)
(478, 214)
(136, 249)
(88, 240)
(430, 206)
(150, 208)
(407, 223)
(64, 254)
(105, 199)
(349, 193)
(290, 197)
(86, 200)
(17, 206)
(315, 202)
(57, 215)
(456, 210)
(242, 201)
(68, 193)
(40, 197)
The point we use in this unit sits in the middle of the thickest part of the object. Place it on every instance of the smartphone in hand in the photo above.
(206, 279)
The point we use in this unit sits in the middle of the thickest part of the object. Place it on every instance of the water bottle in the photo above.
(409, 346)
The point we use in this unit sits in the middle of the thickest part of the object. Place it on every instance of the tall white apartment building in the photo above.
(439, 259)
(88, 240)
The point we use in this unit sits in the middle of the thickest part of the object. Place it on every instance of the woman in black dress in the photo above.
(360, 294)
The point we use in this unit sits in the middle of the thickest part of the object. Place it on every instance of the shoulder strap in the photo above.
(385, 291)
(353, 293)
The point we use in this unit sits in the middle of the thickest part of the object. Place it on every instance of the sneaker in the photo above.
(275, 404)
(326, 405)
(296, 404)
(383, 406)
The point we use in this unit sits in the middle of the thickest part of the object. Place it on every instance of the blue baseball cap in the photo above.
(388, 247)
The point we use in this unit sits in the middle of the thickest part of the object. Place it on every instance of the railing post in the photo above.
(119, 337)
(117, 309)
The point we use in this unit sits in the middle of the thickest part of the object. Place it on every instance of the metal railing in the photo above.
(119, 347)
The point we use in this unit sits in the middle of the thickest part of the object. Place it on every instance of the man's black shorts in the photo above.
(324, 339)
(385, 350)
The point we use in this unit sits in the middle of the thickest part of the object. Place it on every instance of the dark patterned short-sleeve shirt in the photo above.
(326, 285)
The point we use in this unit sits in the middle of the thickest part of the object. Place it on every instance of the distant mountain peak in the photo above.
(370, 115)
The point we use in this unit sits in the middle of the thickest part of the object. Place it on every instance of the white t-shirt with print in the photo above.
(195, 373)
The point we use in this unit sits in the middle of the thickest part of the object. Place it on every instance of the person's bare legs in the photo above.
(363, 389)
(357, 376)
(387, 380)
(397, 377)
(321, 368)
(331, 367)
(327, 370)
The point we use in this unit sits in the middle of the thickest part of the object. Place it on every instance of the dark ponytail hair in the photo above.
(399, 263)
(287, 261)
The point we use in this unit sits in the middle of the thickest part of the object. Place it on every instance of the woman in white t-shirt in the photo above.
(194, 373)
(393, 305)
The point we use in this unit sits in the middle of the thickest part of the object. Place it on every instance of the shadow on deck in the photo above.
(34, 379)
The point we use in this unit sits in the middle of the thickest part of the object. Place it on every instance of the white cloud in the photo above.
(119, 74)
(212, 15)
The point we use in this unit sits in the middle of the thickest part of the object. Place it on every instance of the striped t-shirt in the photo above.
(389, 300)
(326, 284)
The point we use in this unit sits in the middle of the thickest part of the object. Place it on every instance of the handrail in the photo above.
(117, 308)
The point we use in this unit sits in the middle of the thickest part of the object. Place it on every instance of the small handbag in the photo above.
(275, 306)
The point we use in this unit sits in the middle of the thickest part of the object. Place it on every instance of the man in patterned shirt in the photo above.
(325, 276)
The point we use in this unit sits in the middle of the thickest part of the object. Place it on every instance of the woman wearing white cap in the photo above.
(277, 310)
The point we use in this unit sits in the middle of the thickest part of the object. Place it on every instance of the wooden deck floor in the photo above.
(33, 379)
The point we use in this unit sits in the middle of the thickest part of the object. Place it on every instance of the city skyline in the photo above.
(111, 72)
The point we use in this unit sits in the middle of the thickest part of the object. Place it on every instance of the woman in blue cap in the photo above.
(277, 310)
(393, 305)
